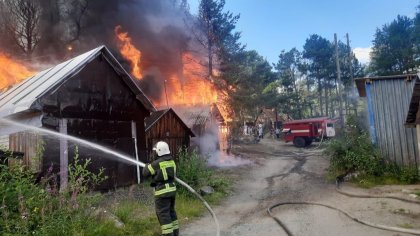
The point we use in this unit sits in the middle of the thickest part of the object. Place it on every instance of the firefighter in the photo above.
(163, 171)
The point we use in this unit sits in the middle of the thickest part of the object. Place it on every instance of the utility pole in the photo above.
(351, 66)
(337, 62)
(166, 95)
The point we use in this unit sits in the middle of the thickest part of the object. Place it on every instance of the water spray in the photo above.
(114, 153)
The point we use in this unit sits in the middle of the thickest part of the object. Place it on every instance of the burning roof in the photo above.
(24, 96)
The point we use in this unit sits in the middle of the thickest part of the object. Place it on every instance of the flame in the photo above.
(191, 88)
(129, 51)
(11, 72)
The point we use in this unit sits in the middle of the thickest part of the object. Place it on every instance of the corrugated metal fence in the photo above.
(390, 103)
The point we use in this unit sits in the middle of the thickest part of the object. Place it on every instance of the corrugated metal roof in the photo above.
(360, 82)
(24, 96)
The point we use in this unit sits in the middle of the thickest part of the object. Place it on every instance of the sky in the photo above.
(270, 26)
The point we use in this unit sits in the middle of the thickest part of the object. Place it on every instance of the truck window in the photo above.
(330, 125)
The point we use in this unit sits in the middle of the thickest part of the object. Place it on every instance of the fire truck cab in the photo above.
(304, 132)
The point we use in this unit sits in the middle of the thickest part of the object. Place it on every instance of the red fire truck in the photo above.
(304, 132)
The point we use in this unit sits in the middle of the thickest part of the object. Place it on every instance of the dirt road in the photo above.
(281, 172)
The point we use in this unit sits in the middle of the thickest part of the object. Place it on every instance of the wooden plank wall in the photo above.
(169, 129)
(28, 143)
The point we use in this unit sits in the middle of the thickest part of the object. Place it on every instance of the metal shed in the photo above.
(388, 100)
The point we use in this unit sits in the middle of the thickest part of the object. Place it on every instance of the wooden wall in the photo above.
(31, 145)
(169, 129)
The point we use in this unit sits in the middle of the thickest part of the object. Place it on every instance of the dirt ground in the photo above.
(281, 172)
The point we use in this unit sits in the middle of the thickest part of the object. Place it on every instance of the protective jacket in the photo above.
(163, 171)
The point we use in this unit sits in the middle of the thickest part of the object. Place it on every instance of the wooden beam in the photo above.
(64, 156)
(134, 136)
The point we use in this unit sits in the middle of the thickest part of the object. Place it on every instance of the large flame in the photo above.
(129, 51)
(190, 87)
(11, 72)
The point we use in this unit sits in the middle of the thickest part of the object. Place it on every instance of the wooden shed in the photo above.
(204, 121)
(91, 97)
(388, 100)
(166, 125)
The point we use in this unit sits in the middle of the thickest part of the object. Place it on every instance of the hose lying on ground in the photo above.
(395, 229)
(378, 226)
(204, 202)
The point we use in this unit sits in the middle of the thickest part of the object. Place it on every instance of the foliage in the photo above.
(80, 178)
(394, 48)
(192, 168)
(40, 209)
(354, 153)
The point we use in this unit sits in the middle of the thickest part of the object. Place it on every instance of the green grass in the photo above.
(372, 181)
(406, 226)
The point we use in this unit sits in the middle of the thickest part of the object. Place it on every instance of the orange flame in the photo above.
(129, 51)
(11, 72)
(191, 88)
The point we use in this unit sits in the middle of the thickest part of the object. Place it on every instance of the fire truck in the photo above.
(304, 132)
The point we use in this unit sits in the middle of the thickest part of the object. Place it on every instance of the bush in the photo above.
(192, 168)
(353, 152)
(40, 209)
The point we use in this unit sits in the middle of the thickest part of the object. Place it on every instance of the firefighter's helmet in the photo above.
(161, 148)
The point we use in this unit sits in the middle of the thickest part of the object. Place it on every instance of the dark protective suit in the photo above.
(163, 172)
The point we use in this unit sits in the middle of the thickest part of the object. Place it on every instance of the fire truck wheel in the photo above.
(299, 142)
(308, 141)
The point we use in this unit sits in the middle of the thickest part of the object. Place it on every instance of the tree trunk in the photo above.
(326, 98)
(320, 97)
(210, 56)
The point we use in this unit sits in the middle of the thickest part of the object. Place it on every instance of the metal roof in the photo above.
(360, 82)
(24, 96)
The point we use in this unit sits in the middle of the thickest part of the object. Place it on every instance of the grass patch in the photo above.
(369, 181)
(406, 226)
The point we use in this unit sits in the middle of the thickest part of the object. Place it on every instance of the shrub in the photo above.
(353, 151)
(192, 168)
(39, 209)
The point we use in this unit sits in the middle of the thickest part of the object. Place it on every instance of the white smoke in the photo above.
(209, 145)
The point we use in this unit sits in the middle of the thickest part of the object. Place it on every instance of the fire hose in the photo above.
(109, 151)
(378, 226)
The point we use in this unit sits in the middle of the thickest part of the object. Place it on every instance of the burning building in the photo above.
(91, 97)
(166, 125)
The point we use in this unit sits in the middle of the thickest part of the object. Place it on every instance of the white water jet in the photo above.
(109, 151)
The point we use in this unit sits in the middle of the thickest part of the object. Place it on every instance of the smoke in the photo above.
(210, 144)
(157, 28)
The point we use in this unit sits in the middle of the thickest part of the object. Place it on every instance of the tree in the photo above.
(416, 35)
(394, 48)
(287, 69)
(319, 53)
(216, 31)
(21, 20)
(247, 76)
